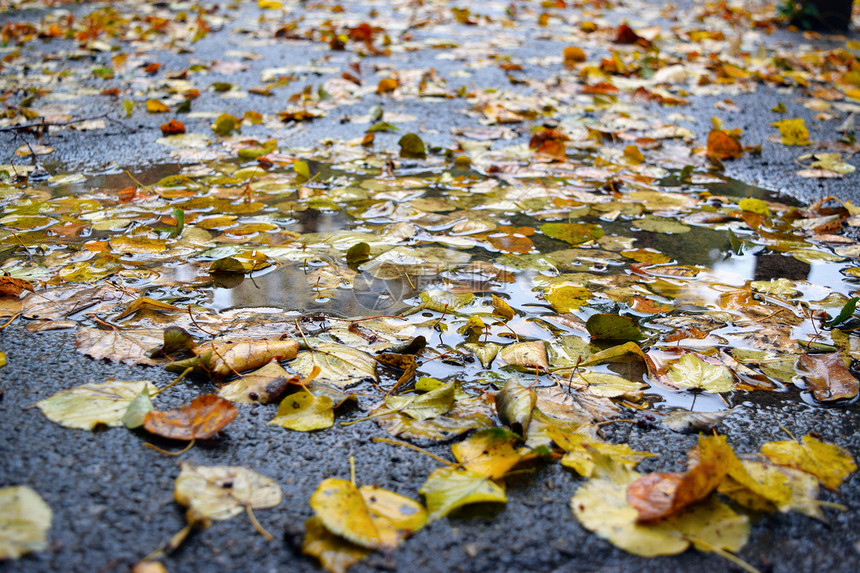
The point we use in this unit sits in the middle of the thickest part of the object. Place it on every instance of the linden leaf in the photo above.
(304, 412)
(396, 516)
(89, 405)
(514, 404)
(25, 520)
(693, 372)
(449, 488)
(485, 351)
(828, 462)
(612, 327)
(491, 452)
(204, 417)
(221, 492)
(343, 511)
(827, 377)
(792, 131)
(129, 346)
(335, 553)
(573, 233)
(467, 414)
(340, 365)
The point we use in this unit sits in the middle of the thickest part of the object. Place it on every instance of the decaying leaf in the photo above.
(693, 372)
(221, 492)
(514, 404)
(424, 406)
(89, 405)
(204, 417)
(222, 360)
(25, 519)
(264, 385)
(340, 365)
(528, 355)
(127, 346)
(690, 422)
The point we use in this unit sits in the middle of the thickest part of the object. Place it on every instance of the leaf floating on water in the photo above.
(692, 422)
(449, 488)
(693, 372)
(527, 355)
(573, 233)
(204, 417)
(412, 147)
(830, 463)
(339, 364)
(221, 492)
(612, 327)
(25, 520)
(304, 412)
(89, 405)
(828, 377)
(485, 351)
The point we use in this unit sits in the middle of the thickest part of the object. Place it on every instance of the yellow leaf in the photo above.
(828, 462)
(792, 131)
(155, 106)
(342, 509)
(489, 452)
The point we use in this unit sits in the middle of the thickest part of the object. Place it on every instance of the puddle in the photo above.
(670, 255)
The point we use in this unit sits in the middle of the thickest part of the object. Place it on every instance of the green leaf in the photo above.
(573, 233)
(88, 405)
(25, 520)
(357, 254)
(844, 314)
(612, 327)
(304, 412)
(449, 488)
(137, 410)
(412, 147)
(302, 169)
(225, 124)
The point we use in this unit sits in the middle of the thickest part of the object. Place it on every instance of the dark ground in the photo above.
(112, 497)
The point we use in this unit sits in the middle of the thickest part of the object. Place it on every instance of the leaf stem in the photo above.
(178, 378)
(260, 529)
(171, 454)
(416, 448)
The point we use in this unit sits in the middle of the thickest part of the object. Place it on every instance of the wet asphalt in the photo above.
(112, 497)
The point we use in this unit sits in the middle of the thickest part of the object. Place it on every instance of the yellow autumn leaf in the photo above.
(792, 131)
(830, 463)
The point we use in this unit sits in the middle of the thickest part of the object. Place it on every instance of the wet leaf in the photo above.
(204, 417)
(693, 372)
(343, 511)
(128, 346)
(490, 452)
(691, 422)
(89, 405)
(424, 406)
(528, 355)
(13, 287)
(137, 410)
(568, 298)
(792, 131)
(827, 376)
(485, 351)
(396, 517)
(264, 385)
(222, 360)
(25, 520)
(722, 146)
(514, 404)
(449, 488)
(221, 492)
(335, 553)
(573, 233)
(340, 365)
(225, 124)
(612, 327)
(830, 463)
(304, 412)
(411, 146)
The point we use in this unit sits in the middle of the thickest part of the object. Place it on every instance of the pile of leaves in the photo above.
(556, 266)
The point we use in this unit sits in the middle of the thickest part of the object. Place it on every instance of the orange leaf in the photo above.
(14, 287)
(387, 85)
(203, 418)
(722, 146)
(573, 55)
(172, 127)
(659, 495)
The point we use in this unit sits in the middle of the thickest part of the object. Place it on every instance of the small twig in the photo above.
(180, 377)
(352, 469)
(416, 448)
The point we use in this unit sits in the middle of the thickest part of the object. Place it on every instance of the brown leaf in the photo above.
(203, 418)
(827, 377)
(172, 127)
(722, 146)
(14, 287)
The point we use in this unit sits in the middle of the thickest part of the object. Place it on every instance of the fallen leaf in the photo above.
(693, 372)
(827, 376)
(830, 463)
(449, 488)
(25, 520)
(204, 417)
(89, 405)
(221, 492)
(514, 404)
(304, 412)
(343, 511)
(339, 364)
(335, 553)
(612, 327)
(491, 452)
(264, 385)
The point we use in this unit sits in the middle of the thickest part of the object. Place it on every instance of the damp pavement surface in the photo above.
(112, 497)
(113, 503)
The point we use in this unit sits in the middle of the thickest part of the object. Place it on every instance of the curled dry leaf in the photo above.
(514, 405)
(89, 405)
(204, 417)
(224, 360)
(221, 492)
(25, 519)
